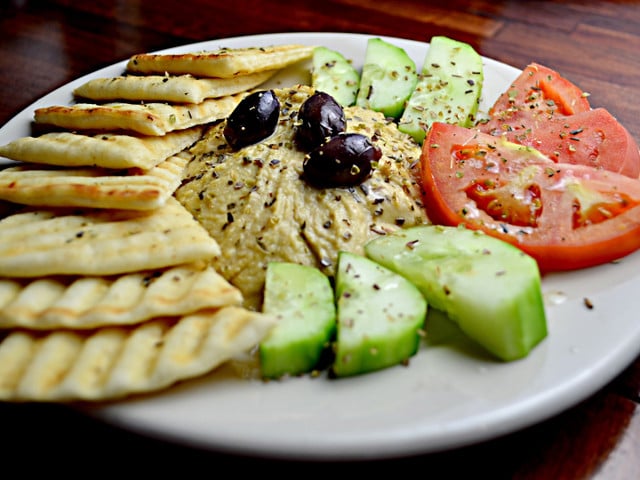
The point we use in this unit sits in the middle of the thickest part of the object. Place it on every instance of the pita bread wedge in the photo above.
(168, 88)
(48, 303)
(47, 241)
(114, 362)
(130, 189)
(143, 118)
(222, 63)
(107, 150)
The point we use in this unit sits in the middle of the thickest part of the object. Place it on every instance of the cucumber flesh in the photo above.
(490, 288)
(332, 73)
(448, 89)
(380, 317)
(388, 78)
(302, 299)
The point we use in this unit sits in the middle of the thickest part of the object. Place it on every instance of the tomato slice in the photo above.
(594, 138)
(544, 110)
(536, 95)
(566, 216)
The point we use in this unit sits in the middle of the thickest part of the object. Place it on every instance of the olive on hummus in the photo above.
(255, 202)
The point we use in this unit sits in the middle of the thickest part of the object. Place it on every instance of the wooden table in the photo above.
(45, 44)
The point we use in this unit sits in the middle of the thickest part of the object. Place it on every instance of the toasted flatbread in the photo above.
(168, 88)
(48, 241)
(108, 150)
(131, 189)
(222, 63)
(88, 302)
(114, 362)
(146, 119)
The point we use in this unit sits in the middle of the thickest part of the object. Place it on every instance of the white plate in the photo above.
(448, 396)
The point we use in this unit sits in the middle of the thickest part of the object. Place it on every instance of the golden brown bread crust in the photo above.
(115, 362)
(168, 88)
(50, 241)
(47, 303)
(107, 150)
(222, 63)
(146, 119)
(130, 189)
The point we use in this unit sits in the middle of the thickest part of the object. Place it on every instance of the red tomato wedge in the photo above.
(565, 216)
(536, 95)
(593, 138)
(543, 110)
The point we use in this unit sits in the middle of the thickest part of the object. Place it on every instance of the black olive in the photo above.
(321, 117)
(253, 119)
(342, 161)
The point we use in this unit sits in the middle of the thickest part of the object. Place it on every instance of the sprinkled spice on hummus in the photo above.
(258, 207)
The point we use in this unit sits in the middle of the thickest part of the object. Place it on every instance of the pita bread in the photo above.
(222, 63)
(131, 189)
(88, 302)
(50, 241)
(147, 118)
(114, 362)
(168, 88)
(106, 150)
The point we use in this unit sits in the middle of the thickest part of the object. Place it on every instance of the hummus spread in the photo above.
(258, 207)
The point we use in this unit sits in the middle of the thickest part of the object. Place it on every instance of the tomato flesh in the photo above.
(521, 207)
(566, 216)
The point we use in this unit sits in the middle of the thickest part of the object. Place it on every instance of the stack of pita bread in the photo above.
(106, 287)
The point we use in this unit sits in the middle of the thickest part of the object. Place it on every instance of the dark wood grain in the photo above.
(44, 44)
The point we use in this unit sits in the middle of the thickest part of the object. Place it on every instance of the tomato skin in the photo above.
(553, 233)
(543, 110)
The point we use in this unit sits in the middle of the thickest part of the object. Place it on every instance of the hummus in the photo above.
(255, 203)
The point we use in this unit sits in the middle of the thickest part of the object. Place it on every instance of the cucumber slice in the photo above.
(490, 288)
(448, 89)
(388, 78)
(302, 299)
(332, 73)
(380, 317)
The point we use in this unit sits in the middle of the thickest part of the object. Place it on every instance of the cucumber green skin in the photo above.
(388, 78)
(491, 289)
(380, 317)
(302, 299)
(448, 89)
(332, 73)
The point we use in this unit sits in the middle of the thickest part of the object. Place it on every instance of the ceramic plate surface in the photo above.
(449, 396)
